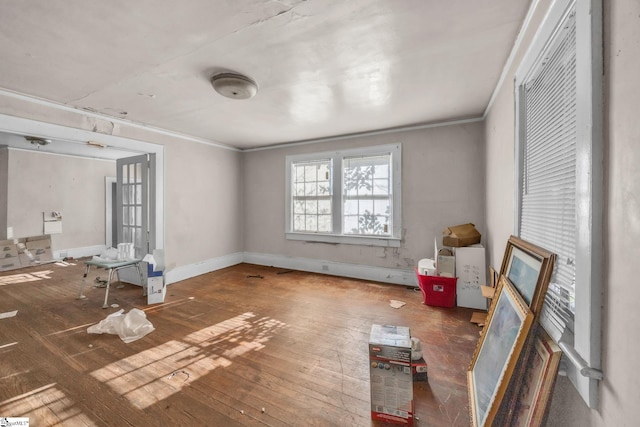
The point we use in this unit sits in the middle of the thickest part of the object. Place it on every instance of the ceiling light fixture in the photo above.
(36, 140)
(234, 86)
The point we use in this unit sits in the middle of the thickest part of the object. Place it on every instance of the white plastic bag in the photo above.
(129, 327)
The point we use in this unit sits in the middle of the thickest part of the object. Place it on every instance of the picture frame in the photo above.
(528, 267)
(497, 353)
(540, 373)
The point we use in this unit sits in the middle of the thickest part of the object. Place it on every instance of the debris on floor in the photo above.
(396, 304)
(8, 314)
(129, 327)
(479, 318)
(174, 373)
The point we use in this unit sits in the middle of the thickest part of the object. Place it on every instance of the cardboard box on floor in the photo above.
(9, 259)
(40, 249)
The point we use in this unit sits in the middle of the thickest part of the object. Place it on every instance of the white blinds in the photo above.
(548, 187)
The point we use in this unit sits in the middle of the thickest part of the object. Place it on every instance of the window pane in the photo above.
(311, 223)
(381, 187)
(310, 189)
(381, 207)
(298, 206)
(350, 207)
(350, 224)
(324, 207)
(298, 223)
(311, 207)
(324, 223)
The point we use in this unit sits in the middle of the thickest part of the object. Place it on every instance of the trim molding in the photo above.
(129, 123)
(370, 133)
(512, 55)
(79, 252)
(396, 276)
(184, 272)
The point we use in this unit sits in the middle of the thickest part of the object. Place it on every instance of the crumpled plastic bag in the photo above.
(129, 327)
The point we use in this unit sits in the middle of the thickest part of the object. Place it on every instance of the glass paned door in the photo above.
(133, 208)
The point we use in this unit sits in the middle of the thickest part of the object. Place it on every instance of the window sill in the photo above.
(389, 242)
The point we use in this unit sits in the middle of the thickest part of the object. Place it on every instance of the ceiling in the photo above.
(324, 68)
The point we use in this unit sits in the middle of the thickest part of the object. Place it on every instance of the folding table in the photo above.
(112, 266)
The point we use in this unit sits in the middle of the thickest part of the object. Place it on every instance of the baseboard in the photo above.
(79, 252)
(395, 276)
(187, 271)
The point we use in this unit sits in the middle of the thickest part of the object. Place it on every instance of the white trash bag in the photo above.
(130, 327)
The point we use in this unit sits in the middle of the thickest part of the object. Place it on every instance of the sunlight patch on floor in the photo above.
(149, 376)
(25, 277)
(38, 405)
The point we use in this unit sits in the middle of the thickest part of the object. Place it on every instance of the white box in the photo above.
(156, 290)
(471, 268)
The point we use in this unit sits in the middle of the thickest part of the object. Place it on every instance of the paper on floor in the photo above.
(396, 304)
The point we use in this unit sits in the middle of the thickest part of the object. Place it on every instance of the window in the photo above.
(559, 178)
(349, 196)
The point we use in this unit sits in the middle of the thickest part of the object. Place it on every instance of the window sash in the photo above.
(367, 195)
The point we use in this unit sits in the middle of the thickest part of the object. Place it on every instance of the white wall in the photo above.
(41, 182)
(619, 393)
(442, 185)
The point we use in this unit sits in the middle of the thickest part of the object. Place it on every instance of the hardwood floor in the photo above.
(285, 348)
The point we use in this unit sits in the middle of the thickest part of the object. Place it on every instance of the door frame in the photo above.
(22, 126)
(109, 183)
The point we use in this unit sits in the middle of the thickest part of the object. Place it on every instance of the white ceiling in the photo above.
(324, 67)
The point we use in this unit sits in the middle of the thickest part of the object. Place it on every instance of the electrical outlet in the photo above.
(325, 268)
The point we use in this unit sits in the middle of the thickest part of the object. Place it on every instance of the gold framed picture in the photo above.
(497, 353)
(538, 381)
(528, 267)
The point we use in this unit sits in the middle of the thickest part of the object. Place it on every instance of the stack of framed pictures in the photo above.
(513, 345)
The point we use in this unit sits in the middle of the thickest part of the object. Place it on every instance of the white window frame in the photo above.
(582, 349)
(337, 236)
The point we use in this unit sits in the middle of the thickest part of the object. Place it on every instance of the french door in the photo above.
(135, 207)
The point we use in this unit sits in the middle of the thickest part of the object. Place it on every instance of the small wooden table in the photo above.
(111, 266)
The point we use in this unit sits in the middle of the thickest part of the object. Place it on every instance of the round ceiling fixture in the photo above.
(36, 140)
(234, 86)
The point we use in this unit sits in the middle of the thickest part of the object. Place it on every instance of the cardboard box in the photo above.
(9, 259)
(419, 370)
(8, 249)
(460, 235)
(391, 378)
(40, 249)
(156, 290)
